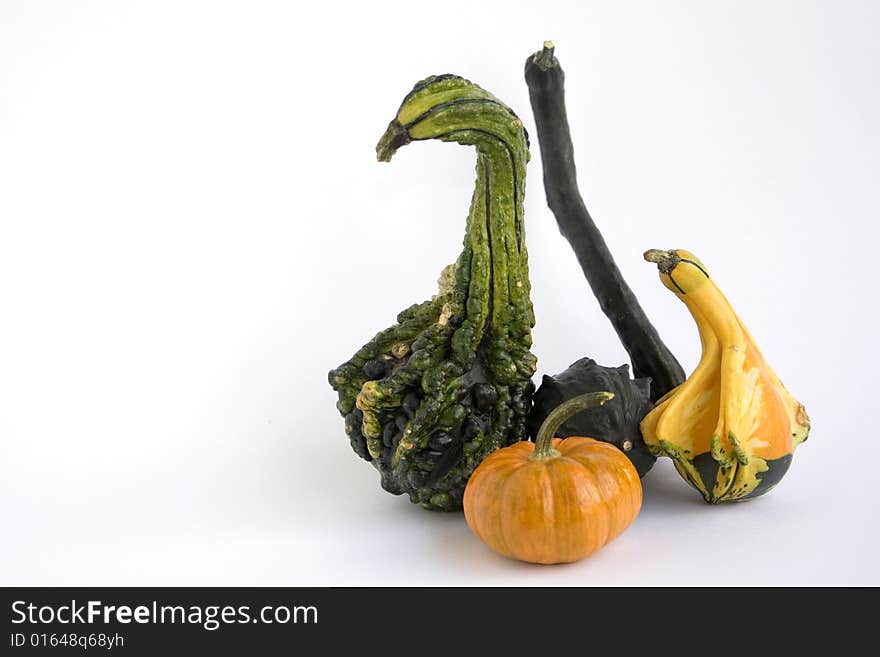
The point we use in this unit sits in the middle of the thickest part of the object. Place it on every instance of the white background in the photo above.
(194, 230)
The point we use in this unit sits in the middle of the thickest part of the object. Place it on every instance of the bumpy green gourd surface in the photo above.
(428, 398)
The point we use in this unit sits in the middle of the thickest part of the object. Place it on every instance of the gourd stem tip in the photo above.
(665, 260)
(395, 136)
(545, 59)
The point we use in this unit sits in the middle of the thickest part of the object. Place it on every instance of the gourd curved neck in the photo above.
(490, 296)
(502, 153)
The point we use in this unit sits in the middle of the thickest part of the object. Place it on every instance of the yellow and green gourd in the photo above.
(732, 427)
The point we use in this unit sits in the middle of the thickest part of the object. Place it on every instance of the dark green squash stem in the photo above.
(544, 442)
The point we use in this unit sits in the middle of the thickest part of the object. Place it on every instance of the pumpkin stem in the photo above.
(544, 440)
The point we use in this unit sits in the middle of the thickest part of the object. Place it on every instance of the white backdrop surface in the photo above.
(194, 230)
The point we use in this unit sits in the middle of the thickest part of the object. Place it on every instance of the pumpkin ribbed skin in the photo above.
(553, 510)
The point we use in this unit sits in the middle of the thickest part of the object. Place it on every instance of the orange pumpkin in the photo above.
(554, 500)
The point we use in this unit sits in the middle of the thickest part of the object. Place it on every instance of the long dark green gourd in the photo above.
(428, 398)
(649, 355)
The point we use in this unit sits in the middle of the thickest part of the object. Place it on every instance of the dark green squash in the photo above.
(428, 398)
(616, 422)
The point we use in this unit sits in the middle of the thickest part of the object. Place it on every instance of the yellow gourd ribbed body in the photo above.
(732, 427)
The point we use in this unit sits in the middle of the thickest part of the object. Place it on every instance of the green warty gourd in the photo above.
(428, 398)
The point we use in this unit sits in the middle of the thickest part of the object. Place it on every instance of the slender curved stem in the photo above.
(544, 441)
